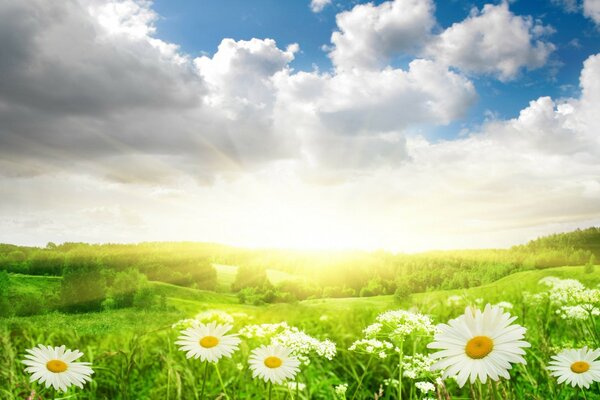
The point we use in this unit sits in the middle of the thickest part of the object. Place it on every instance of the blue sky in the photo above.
(199, 26)
(421, 124)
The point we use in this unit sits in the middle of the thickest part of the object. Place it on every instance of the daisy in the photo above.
(577, 367)
(208, 342)
(479, 345)
(55, 366)
(273, 364)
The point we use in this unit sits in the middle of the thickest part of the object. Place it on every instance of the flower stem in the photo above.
(401, 355)
(290, 393)
(221, 381)
(297, 387)
(494, 390)
(361, 378)
(480, 389)
(204, 380)
(270, 389)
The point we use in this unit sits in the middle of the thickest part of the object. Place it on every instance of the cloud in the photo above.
(504, 183)
(109, 133)
(493, 41)
(591, 9)
(85, 84)
(358, 119)
(239, 72)
(88, 72)
(317, 6)
(370, 35)
(569, 6)
(88, 85)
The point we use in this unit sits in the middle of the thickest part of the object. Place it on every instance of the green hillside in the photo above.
(226, 275)
(509, 287)
(186, 302)
(132, 349)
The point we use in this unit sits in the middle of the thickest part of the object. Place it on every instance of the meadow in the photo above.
(134, 355)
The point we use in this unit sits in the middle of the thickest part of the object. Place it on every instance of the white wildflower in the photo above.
(370, 346)
(454, 300)
(417, 366)
(303, 345)
(341, 389)
(263, 330)
(218, 316)
(296, 386)
(425, 387)
(505, 305)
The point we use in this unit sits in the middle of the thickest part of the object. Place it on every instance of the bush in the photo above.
(32, 304)
(250, 277)
(83, 286)
(590, 266)
(5, 307)
(109, 304)
(144, 298)
(403, 290)
(125, 286)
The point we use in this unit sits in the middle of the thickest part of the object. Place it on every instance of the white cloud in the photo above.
(493, 41)
(569, 6)
(131, 18)
(591, 9)
(318, 5)
(358, 119)
(240, 72)
(105, 136)
(370, 35)
(393, 99)
(123, 105)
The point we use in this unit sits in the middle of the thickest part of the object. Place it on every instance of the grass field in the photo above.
(134, 355)
(226, 276)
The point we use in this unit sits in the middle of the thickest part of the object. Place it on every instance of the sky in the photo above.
(403, 125)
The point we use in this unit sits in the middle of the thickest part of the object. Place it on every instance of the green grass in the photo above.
(187, 302)
(23, 285)
(512, 287)
(226, 276)
(185, 293)
(134, 355)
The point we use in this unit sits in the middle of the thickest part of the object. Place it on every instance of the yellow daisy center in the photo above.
(479, 347)
(273, 362)
(579, 367)
(56, 366)
(209, 341)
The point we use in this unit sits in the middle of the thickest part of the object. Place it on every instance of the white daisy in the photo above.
(273, 364)
(55, 366)
(208, 342)
(577, 367)
(479, 344)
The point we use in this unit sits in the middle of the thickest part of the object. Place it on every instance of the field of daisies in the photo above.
(496, 342)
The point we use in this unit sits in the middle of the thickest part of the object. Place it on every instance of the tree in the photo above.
(15, 261)
(5, 308)
(144, 298)
(44, 262)
(590, 266)
(83, 286)
(403, 290)
(125, 286)
(251, 277)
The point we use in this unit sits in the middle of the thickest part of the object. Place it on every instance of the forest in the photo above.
(113, 276)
